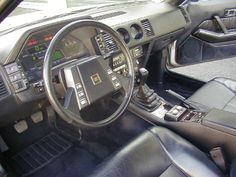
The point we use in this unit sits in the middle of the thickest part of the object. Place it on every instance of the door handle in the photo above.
(230, 12)
(214, 37)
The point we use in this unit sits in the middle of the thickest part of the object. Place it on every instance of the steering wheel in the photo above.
(88, 79)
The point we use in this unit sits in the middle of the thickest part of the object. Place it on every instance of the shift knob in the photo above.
(143, 75)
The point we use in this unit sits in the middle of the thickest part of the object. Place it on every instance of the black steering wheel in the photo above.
(87, 79)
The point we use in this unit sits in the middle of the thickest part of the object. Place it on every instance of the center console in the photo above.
(208, 130)
(220, 120)
(149, 101)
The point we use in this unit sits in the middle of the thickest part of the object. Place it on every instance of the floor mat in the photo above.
(39, 154)
(76, 162)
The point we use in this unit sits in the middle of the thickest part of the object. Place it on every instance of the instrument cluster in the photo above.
(32, 55)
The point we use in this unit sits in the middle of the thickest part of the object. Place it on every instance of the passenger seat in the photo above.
(218, 93)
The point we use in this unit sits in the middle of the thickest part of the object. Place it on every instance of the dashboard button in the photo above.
(109, 71)
(12, 68)
(113, 78)
(81, 94)
(175, 112)
(83, 102)
(15, 77)
(78, 86)
(17, 85)
(179, 108)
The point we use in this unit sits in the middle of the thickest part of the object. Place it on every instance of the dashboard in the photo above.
(26, 71)
(22, 55)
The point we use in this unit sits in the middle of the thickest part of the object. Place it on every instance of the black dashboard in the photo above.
(23, 52)
(26, 71)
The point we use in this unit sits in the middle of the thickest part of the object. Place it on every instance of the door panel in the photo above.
(195, 50)
(212, 35)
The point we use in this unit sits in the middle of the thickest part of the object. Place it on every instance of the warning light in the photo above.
(32, 42)
(48, 37)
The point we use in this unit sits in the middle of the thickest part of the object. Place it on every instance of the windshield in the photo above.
(29, 6)
(31, 11)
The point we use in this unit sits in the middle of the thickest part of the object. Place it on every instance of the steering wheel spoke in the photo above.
(124, 80)
(71, 102)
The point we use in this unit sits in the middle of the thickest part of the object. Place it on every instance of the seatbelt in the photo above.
(218, 157)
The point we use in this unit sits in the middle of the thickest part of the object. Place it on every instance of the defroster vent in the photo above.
(109, 15)
(147, 27)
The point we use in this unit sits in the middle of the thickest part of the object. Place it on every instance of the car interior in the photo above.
(131, 89)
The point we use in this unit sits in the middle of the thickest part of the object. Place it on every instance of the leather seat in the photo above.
(158, 152)
(233, 169)
(218, 93)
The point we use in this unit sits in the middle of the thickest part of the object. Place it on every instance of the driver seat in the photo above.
(158, 152)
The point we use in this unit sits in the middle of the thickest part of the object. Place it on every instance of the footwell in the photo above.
(53, 156)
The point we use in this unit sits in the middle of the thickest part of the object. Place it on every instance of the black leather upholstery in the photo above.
(219, 93)
(158, 152)
(233, 169)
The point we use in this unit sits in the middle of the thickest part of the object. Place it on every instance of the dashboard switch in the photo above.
(17, 85)
(12, 68)
(81, 94)
(175, 113)
(15, 77)
(78, 86)
(83, 102)
(109, 71)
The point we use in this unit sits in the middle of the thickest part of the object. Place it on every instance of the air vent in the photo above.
(3, 90)
(109, 43)
(109, 15)
(147, 27)
(124, 34)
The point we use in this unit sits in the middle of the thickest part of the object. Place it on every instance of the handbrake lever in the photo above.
(182, 99)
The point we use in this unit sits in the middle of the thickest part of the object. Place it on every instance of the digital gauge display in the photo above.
(37, 48)
(33, 53)
(57, 55)
(33, 62)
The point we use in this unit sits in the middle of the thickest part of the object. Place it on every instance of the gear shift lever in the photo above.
(143, 75)
(144, 96)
